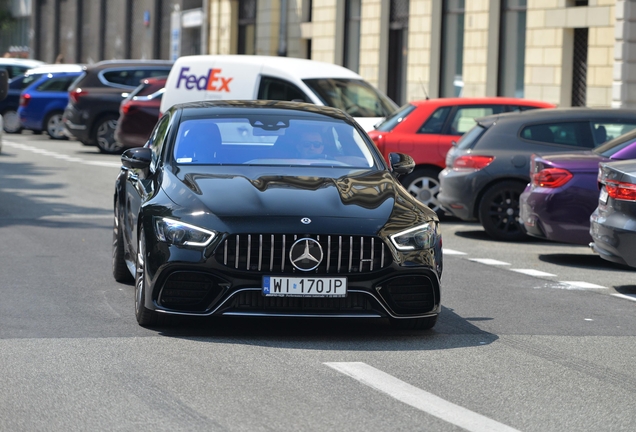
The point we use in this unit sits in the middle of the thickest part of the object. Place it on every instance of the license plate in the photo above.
(603, 196)
(274, 286)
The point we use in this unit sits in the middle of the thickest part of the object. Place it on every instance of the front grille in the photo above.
(254, 301)
(270, 253)
(189, 291)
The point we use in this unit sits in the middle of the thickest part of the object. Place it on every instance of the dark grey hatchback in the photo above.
(488, 169)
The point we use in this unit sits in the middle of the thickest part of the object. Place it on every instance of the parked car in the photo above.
(488, 169)
(16, 66)
(261, 208)
(9, 106)
(563, 190)
(425, 130)
(94, 98)
(613, 223)
(139, 113)
(42, 103)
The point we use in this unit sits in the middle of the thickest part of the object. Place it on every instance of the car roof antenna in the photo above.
(424, 88)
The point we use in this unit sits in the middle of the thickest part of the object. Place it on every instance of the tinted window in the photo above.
(277, 89)
(394, 119)
(56, 84)
(469, 139)
(574, 134)
(464, 118)
(521, 108)
(27, 81)
(131, 77)
(356, 97)
(435, 123)
(157, 138)
(603, 132)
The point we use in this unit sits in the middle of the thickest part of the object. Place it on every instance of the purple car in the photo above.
(563, 191)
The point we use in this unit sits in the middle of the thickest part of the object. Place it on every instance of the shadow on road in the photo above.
(582, 261)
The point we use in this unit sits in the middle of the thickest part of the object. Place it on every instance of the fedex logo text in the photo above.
(211, 82)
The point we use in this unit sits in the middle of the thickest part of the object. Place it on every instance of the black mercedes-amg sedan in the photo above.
(269, 208)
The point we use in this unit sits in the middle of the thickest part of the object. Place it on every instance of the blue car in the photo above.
(9, 105)
(42, 103)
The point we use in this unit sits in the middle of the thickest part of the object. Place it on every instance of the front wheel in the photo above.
(423, 184)
(104, 135)
(54, 126)
(120, 269)
(145, 317)
(499, 211)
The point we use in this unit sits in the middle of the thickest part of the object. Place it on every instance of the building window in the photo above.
(247, 27)
(352, 34)
(512, 48)
(398, 50)
(451, 78)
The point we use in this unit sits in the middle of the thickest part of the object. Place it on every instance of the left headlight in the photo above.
(182, 234)
(420, 237)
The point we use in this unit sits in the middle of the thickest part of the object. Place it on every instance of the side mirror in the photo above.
(137, 158)
(401, 164)
(4, 83)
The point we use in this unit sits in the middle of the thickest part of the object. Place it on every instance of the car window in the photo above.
(565, 133)
(396, 118)
(464, 118)
(27, 81)
(131, 77)
(603, 132)
(521, 108)
(356, 97)
(157, 139)
(469, 139)
(56, 84)
(278, 89)
(262, 140)
(435, 123)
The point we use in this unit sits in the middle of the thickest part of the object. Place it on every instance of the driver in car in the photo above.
(310, 145)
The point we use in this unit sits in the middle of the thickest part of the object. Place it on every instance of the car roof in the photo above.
(55, 68)
(106, 64)
(21, 62)
(297, 67)
(196, 109)
(578, 113)
(482, 100)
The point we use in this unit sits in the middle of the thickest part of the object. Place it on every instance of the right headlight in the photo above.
(182, 234)
(417, 238)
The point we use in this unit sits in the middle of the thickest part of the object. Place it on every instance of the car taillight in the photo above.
(621, 190)
(551, 177)
(24, 99)
(125, 108)
(473, 162)
(76, 94)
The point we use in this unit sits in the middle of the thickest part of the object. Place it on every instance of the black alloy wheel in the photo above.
(145, 317)
(104, 135)
(499, 211)
(120, 269)
(423, 184)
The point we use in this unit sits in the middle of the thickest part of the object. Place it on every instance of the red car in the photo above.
(139, 112)
(426, 129)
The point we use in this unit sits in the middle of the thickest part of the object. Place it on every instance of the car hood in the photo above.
(357, 202)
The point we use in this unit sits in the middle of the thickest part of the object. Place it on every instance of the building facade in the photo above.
(568, 52)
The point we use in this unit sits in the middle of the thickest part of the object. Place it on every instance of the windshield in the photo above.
(269, 140)
(356, 97)
(470, 138)
(612, 147)
(396, 118)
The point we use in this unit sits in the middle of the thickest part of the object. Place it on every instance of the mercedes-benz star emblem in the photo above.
(305, 254)
(306, 221)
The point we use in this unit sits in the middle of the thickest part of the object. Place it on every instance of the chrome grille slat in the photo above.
(341, 254)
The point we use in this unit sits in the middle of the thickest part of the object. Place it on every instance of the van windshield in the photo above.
(356, 97)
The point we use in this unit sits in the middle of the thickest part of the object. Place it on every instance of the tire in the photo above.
(414, 323)
(120, 269)
(104, 135)
(423, 184)
(11, 121)
(54, 126)
(499, 211)
(145, 317)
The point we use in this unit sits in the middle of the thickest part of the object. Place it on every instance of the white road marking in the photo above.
(489, 261)
(61, 156)
(533, 272)
(631, 297)
(418, 398)
(581, 285)
(452, 252)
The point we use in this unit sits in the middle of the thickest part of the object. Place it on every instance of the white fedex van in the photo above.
(244, 77)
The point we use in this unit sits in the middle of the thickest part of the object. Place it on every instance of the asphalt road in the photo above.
(535, 336)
